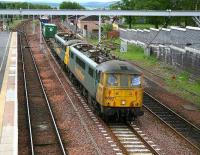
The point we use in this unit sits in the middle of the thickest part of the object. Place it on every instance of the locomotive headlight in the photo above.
(123, 102)
(135, 81)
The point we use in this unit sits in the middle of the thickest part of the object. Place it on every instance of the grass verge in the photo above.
(15, 23)
(139, 26)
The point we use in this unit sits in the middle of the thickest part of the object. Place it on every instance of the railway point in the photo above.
(8, 94)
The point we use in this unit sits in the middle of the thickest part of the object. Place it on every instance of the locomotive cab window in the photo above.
(112, 80)
(135, 80)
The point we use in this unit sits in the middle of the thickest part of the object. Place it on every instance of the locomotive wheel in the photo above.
(89, 100)
(97, 108)
(104, 117)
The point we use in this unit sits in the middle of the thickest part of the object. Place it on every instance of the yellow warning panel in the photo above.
(66, 60)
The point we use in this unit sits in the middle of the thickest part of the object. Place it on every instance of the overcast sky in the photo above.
(50, 1)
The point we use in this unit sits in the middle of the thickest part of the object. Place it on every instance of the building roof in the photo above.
(89, 18)
(74, 17)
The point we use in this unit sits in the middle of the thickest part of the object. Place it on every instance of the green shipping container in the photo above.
(49, 30)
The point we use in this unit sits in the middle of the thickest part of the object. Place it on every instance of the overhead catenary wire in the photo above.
(158, 43)
(168, 19)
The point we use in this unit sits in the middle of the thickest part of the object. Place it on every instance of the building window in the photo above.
(85, 27)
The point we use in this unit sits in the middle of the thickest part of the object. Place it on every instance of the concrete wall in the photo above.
(179, 47)
(175, 35)
(193, 34)
(185, 59)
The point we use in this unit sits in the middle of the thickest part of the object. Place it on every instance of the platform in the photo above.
(8, 94)
(4, 43)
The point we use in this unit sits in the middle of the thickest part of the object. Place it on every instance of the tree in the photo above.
(159, 5)
(71, 5)
(107, 27)
(151, 5)
(24, 5)
(126, 5)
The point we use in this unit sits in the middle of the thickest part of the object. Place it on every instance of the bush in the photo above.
(107, 27)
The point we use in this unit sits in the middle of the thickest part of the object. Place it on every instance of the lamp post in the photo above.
(99, 28)
(28, 9)
(40, 35)
(33, 24)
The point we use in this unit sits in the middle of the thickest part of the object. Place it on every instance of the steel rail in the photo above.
(28, 107)
(99, 152)
(135, 132)
(48, 104)
(128, 126)
(170, 125)
(176, 130)
(166, 13)
(26, 95)
(152, 150)
(143, 140)
(118, 127)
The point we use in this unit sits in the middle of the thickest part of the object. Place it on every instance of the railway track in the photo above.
(44, 137)
(181, 126)
(61, 77)
(130, 140)
(23, 147)
(133, 140)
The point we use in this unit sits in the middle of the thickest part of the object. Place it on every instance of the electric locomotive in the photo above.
(112, 87)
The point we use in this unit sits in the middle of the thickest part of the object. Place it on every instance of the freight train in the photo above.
(112, 87)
